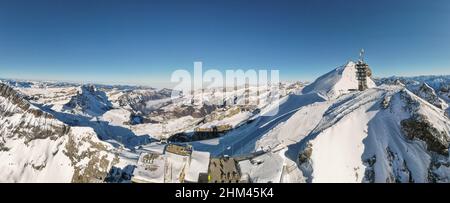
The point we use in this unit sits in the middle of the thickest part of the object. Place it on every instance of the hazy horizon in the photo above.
(143, 42)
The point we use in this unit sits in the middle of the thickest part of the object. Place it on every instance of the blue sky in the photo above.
(142, 42)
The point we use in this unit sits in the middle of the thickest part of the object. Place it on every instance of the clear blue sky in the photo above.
(142, 42)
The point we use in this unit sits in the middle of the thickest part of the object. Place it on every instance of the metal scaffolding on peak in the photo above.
(362, 72)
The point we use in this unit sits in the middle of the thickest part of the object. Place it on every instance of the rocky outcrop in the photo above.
(98, 164)
(305, 155)
(33, 122)
(398, 169)
(194, 112)
(182, 111)
(386, 101)
(138, 99)
(30, 133)
(14, 97)
(418, 127)
(305, 163)
(427, 93)
(89, 101)
(369, 173)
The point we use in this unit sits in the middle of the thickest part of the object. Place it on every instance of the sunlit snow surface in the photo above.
(343, 128)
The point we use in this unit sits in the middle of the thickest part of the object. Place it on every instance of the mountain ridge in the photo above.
(337, 82)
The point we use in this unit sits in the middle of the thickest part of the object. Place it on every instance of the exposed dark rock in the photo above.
(369, 173)
(411, 104)
(427, 93)
(194, 112)
(138, 99)
(305, 162)
(445, 88)
(3, 147)
(98, 165)
(305, 155)
(418, 127)
(120, 175)
(386, 101)
(30, 123)
(42, 127)
(408, 171)
(89, 101)
(38, 167)
(14, 97)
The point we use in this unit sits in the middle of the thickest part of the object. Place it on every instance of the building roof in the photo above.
(223, 170)
(199, 164)
(150, 168)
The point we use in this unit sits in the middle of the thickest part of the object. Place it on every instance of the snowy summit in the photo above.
(337, 82)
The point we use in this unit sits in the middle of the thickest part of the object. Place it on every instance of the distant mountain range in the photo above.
(396, 131)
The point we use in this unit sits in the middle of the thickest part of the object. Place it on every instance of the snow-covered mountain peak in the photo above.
(426, 92)
(89, 101)
(89, 88)
(337, 82)
(388, 133)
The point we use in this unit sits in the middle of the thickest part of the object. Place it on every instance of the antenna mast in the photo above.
(361, 55)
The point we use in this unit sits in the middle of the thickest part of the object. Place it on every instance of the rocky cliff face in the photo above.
(140, 100)
(427, 93)
(21, 119)
(420, 126)
(36, 147)
(89, 102)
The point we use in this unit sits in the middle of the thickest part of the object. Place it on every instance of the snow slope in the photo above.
(433, 88)
(337, 82)
(383, 134)
(360, 139)
(243, 139)
(329, 133)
